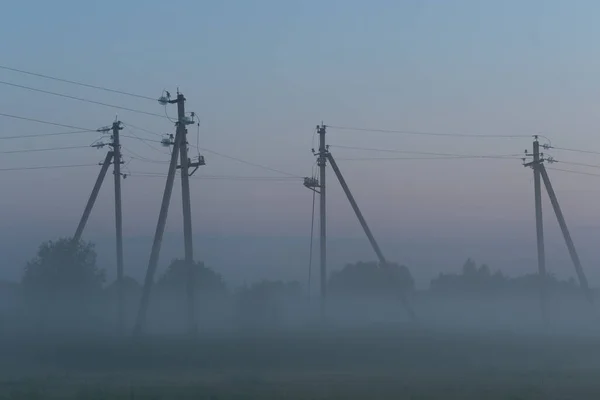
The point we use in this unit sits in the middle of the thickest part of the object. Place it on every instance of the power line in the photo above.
(76, 83)
(141, 139)
(573, 172)
(218, 177)
(45, 149)
(39, 121)
(127, 124)
(48, 167)
(457, 157)
(578, 164)
(250, 163)
(136, 156)
(44, 134)
(81, 99)
(145, 142)
(420, 152)
(576, 150)
(409, 132)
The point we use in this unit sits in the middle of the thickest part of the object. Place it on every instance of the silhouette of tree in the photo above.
(62, 280)
(371, 279)
(469, 268)
(481, 281)
(64, 266)
(175, 278)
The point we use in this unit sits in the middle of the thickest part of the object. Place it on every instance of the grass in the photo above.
(382, 364)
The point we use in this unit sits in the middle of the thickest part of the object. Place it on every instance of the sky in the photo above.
(261, 75)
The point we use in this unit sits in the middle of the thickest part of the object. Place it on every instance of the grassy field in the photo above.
(374, 364)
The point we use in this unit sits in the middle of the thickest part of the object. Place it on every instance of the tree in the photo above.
(469, 268)
(62, 281)
(206, 280)
(371, 279)
(64, 266)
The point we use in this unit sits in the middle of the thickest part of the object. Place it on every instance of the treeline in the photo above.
(481, 281)
(63, 286)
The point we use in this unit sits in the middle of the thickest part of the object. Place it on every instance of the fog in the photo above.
(475, 328)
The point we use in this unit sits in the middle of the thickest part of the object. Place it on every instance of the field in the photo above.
(312, 364)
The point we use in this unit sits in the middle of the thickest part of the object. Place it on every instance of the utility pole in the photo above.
(187, 212)
(116, 145)
(115, 156)
(180, 150)
(540, 173)
(322, 163)
(318, 186)
(539, 227)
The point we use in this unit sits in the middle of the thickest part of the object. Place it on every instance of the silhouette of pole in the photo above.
(322, 162)
(539, 227)
(158, 236)
(565, 231)
(187, 213)
(93, 196)
(116, 145)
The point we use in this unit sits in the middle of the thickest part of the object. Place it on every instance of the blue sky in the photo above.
(262, 74)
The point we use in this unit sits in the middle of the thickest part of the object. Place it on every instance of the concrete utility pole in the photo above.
(180, 149)
(322, 163)
(539, 227)
(539, 170)
(115, 156)
(158, 236)
(93, 196)
(187, 212)
(318, 186)
(116, 145)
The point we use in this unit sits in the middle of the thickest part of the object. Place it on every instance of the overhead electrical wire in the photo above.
(410, 132)
(572, 171)
(48, 167)
(21, 71)
(421, 152)
(44, 149)
(141, 139)
(576, 150)
(81, 99)
(578, 164)
(144, 141)
(456, 157)
(35, 135)
(130, 125)
(250, 163)
(39, 121)
(136, 156)
(228, 157)
(216, 177)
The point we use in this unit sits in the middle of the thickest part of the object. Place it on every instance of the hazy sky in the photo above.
(262, 74)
